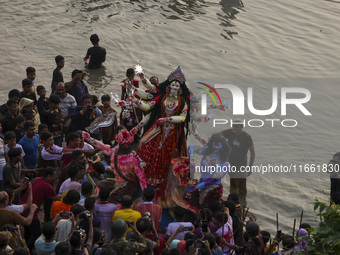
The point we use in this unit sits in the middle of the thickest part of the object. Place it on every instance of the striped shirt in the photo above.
(154, 210)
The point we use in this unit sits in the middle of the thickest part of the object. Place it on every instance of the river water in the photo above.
(259, 44)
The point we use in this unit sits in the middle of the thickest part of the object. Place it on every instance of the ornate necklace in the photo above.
(171, 103)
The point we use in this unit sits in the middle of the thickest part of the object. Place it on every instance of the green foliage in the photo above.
(325, 237)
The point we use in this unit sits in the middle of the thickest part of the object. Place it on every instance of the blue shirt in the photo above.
(44, 248)
(31, 149)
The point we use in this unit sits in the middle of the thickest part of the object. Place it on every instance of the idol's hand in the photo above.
(160, 121)
(86, 135)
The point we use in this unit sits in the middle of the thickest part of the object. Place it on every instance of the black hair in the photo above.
(179, 212)
(28, 124)
(45, 135)
(13, 93)
(48, 171)
(94, 39)
(55, 99)
(105, 97)
(75, 240)
(71, 137)
(76, 209)
(253, 231)
(221, 217)
(94, 99)
(10, 193)
(40, 88)
(189, 235)
(11, 102)
(26, 82)
(63, 248)
(86, 188)
(76, 154)
(89, 203)
(188, 243)
(73, 170)
(75, 71)
(30, 69)
(174, 251)
(126, 201)
(58, 59)
(42, 126)
(86, 96)
(217, 238)
(104, 193)
(130, 71)
(48, 229)
(215, 206)
(9, 135)
(148, 194)
(233, 197)
(224, 153)
(288, 242)
(99, 167)
(19, 119)
(71, 197)
(28, 114)
(21, 251)
(211, 239)
(265, 236)
(14, 152)
(97, 235)
(305, 226)
(142, 224)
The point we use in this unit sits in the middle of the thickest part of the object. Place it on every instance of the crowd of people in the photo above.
(72, 182)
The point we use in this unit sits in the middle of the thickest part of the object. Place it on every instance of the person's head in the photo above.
(86, 100)
(148, 194)
(10, 193)
(11, 139)
(14, 94)
(94, 39)
(211, 239)
(30, 73)
(54, 101)
(237, 126)
(12, 106)
(336, 157)
(231, 206)
(48, 230)
(143, 225)
(78, 73)
(73, 140)
(154, 81)
(118, 228)
(305, 226)
(252, 229)
(26, 86)
(220, 219)
(104, 193)
(89, 203)
(174, 251)
(106, 100)
(98, 169)
(215, 207)
(4, 198)
(42, 128)
(63, 248)
(72, 197)
(76, 172)
(126, 201)
(60, 90)
(41, 91)
(77, 238)
(206, 214)
(94, 100)
(5, 236)
(288, 242)
(29, 128)
(47, 139)
(50, 174)
(179, 213)
(233, 197)
(60, 61)
(20, 120)
(86, 189)
(99, 236)
(265, 236)
(14, 154)
(78, 157)
(130, 74)
(77, 209)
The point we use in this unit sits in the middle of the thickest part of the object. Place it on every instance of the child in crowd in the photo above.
(43, 104)
(107, 133)
(28, 93)
(31, 74)
(19, 129)
(55, 120)
(96, 53)
(11, 142)
(57, 74)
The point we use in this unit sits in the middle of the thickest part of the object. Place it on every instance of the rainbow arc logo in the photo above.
(209, 93)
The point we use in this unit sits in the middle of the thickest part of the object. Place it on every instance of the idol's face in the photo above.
(175, 86)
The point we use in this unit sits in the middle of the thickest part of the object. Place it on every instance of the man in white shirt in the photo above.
(172, 227)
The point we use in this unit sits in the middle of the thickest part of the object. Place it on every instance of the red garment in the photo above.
(67, 159)
(41, 190)
(162, 245)
(154, 210)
